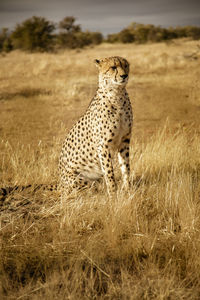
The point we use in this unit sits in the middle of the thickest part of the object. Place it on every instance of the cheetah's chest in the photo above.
(123, 130)
(122, 124)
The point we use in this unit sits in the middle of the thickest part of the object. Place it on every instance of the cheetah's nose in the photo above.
(124, 76)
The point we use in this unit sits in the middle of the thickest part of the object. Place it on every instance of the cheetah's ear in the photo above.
(97, 62)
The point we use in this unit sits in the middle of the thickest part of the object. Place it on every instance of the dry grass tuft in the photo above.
(142, 245)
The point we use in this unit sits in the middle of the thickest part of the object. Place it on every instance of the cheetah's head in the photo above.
(113, 70)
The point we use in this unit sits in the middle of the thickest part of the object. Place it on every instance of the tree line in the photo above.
(39, 34)
(141, 33)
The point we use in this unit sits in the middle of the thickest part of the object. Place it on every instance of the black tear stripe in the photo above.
(116, 72)
(120, 63)
(116, 75)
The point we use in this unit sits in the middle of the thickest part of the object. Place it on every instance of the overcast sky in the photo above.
(106, 16)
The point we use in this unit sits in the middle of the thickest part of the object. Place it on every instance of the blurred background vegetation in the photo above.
(38, 34)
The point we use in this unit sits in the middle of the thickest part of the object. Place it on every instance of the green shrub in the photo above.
(112, 38)
(34, 34)
(68, 25)
(71, 36)
(142, 33)
(126, 36)
(193, 32)
(96, 38)
(5, 40)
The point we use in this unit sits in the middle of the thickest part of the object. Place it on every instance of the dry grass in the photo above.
(145, 244)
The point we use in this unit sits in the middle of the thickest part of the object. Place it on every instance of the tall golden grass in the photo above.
(145, 243)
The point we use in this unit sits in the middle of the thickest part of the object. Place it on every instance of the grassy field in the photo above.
(143, 245)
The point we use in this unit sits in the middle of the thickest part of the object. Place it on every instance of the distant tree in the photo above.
(66, 38)
(164, 35)
(171, 33)
(126, 36)
(96, 38)
(155, 33)
(34, 34)
(180, 31)
(68, 25)
(5, 40)
(79, 39)
(193, 32)
(112, 38)
(71, 36)
(142, 33)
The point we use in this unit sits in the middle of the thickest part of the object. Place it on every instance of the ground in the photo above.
(143, 245)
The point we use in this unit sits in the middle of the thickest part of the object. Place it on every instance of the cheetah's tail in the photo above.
(6, 191)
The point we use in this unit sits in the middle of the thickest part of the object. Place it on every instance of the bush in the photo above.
(193, 32)
(78, 39)
(68, 25)
(96, 38)
(66, 40)
(141, 33)
(126, 36)
(72, 37)
(112, 38)
(5, 41)
(34, 34)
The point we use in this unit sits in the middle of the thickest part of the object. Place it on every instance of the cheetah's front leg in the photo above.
(107, 168)
(123, 157)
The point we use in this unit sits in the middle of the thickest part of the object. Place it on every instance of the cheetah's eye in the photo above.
(113, 67)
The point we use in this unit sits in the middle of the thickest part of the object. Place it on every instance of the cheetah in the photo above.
(105, 129)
